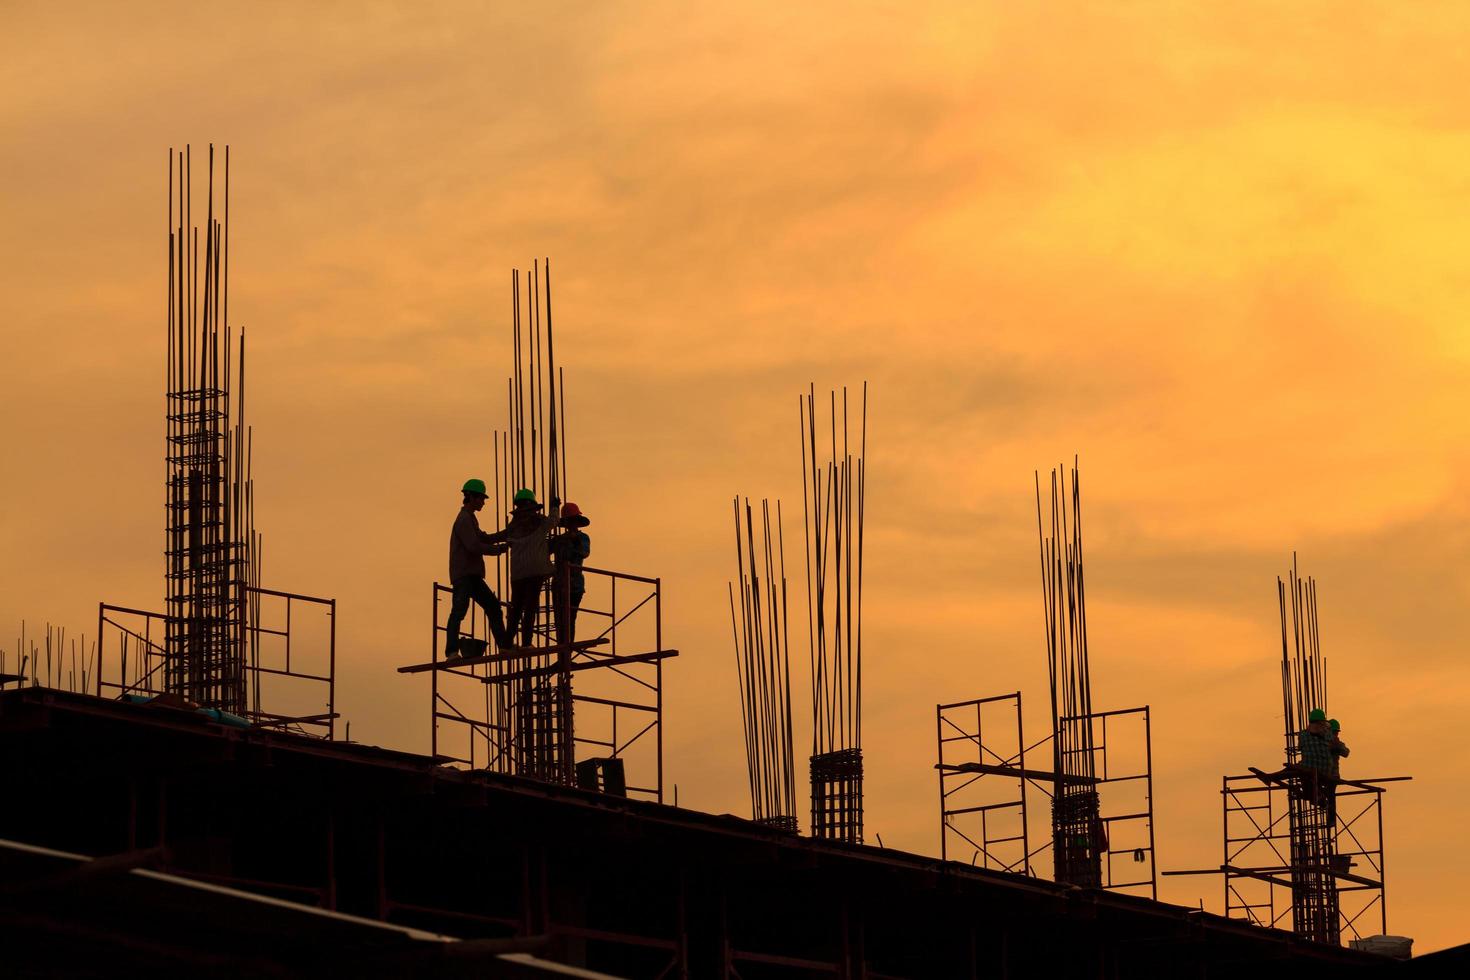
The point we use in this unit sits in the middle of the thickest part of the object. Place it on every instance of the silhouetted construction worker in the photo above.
(1340, 750)
(1314, 744)
(468, 546)
(570, 548)
(530, 561)
(1316, 766)
(1319, 761)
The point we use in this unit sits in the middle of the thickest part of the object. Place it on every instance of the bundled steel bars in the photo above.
(763, 664)
(833, 500)
(1303, 668)
(210, 546)
(531, 450)
(1077, 828)
(534, 712)
(45, 664)
(1312, 816)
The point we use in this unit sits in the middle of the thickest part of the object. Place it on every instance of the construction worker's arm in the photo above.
(1340, 747)
(475, 541)
(553, 515)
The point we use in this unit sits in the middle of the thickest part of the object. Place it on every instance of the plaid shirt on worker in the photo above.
(1316, 751)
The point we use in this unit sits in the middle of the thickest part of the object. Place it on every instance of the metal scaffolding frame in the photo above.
(1288, 829)
(520, 713)
(984, 781)
(133, 659)
(1264, 871)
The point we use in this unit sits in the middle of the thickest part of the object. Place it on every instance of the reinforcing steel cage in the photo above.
(1270, 882)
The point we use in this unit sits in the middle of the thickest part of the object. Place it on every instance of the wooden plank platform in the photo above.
(1039, 775)
(636, 658)
(1270, 777)
(519, 653)
(1273, 874)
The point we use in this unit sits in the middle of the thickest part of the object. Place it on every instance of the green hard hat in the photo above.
(1336, 725)
(475, 486)
(525, 496)
(1316, 714)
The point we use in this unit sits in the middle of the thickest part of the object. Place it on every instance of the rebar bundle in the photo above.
(45, 664)
(211, 547)
(1303, 668)
(531, 452)
(833, 505)
(1312, 818)
(1078, 835)
(763, 665)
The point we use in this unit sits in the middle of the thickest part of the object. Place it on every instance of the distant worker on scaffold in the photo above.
(1317, 769)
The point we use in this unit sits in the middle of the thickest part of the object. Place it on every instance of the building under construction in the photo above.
(626, 887)
(189, 802)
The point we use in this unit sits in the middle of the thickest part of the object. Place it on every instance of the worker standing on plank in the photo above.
(570, 548)
(530, 560)
(468, 546)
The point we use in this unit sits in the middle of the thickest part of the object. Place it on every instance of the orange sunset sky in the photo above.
(1218, 250)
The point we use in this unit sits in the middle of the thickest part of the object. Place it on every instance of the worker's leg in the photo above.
(533, 609)
(561, 600)
(458, 606)
(1319, 788)
(482, 594)
(525, 596)
(572, 626)
(513, 618)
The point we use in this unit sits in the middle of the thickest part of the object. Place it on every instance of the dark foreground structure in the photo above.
(629, 888)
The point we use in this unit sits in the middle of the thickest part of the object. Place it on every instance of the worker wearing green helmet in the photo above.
(1317, 761)
(468, 546)
(530, 560)
(1313, 741)
(1339, 748)
(1314, 774)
